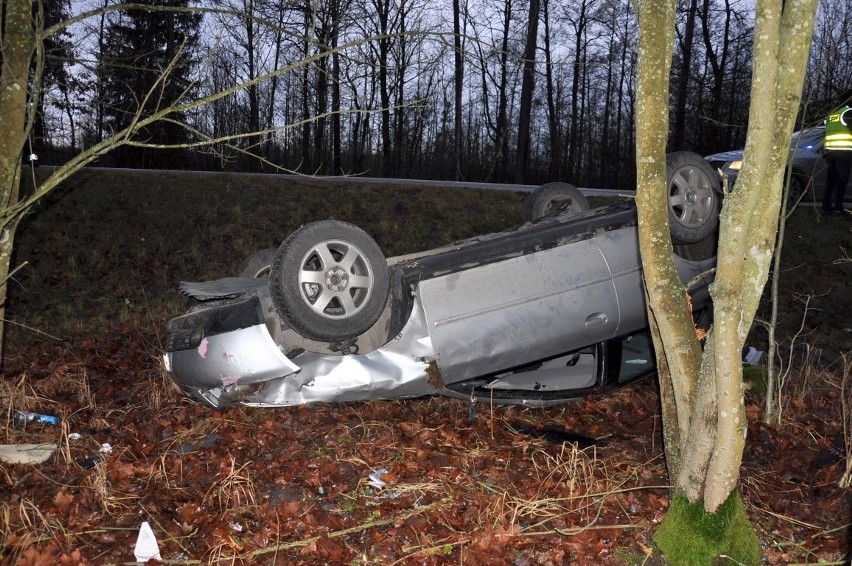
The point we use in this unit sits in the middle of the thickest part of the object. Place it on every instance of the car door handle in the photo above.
(596, 319)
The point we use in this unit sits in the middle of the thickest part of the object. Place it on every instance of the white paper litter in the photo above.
(146, 544)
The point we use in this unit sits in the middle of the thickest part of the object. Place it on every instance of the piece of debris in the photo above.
(375, 479)
(555, 435)
(752, 356)
(20, 419)
(209, 441)
(146, 544)
(90, 462)
(26, 453)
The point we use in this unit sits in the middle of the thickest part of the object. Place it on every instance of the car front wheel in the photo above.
(329, 281)
(694, 197)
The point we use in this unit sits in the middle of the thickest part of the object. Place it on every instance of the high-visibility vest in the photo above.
(838, 129)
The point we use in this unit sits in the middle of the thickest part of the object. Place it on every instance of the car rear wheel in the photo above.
(553, 199)
(259, 264)
(329, 281)
(694, 197)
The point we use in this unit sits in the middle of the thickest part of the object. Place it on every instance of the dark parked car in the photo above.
(548, 310)
(805, 161)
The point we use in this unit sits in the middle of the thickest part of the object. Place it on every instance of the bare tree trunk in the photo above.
(527, 87)
(383, 13)
(250, 29)
(336, 158)
(307, 162)
(577, 68)
(718, 64)
(554, 131)
(18, 46)
(702, 391)
(99, 103)
(501, 134)
(678, 140)
(607, 156)
(669, 314)
(321, 30)
(458, 84)
(274, 81)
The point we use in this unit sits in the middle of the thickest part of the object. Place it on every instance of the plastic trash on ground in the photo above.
(26, 453)
(375, 479)
(21, 419)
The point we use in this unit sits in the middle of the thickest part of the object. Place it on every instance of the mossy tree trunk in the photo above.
(18, 45)
(702, 396)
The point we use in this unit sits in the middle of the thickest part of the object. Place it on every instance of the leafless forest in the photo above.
(503, 90)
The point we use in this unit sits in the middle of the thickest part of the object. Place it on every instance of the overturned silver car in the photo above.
(546, 311)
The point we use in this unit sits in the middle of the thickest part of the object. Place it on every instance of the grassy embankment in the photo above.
(113, 245)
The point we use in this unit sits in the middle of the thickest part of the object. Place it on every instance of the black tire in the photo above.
(695, 197)
(699, 251)
(553, 199)
(796, 191)
(259, 264)
(329, 281)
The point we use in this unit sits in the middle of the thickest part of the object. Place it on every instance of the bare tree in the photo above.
(23, 35)
(495, 81)
(458, 88)
(527, 86)
(686, 40)
(703, 410)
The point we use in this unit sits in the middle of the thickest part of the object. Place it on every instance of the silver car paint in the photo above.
(215, 363)
(400, 368)
(482, 319)
(470, 323)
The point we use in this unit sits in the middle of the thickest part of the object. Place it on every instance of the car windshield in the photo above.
(806, 139)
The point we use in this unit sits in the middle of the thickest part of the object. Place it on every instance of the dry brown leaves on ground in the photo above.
(291, 486)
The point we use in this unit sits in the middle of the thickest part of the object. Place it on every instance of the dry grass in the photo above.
(98, 481)
(24, 526)
(19, 395)
(565, 480)
(233, 491)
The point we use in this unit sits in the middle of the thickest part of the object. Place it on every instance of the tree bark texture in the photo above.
(783, 31)
(706, 406)
(18, 48)
(678, 349)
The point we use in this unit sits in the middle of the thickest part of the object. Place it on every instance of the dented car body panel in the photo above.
(534, 315)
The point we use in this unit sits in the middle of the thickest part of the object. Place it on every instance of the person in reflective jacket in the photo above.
(838, 154)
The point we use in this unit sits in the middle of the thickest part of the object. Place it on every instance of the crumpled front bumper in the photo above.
(246, 366)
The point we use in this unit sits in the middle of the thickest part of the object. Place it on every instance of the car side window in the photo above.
(637, 356)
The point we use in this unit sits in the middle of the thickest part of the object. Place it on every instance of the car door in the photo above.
(621, 250)
(504, 314)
